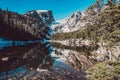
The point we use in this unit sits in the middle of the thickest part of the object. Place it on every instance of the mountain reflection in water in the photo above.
(79, 58)
(42, 61)
(31, 57)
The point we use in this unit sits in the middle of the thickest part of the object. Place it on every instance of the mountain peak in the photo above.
(68, 24)
(45, 15)
(77, 15)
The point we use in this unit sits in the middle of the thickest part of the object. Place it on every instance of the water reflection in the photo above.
(44, 61)
(30, 57)
(80, 58)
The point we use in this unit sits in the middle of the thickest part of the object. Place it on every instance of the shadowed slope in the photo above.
(14, 26)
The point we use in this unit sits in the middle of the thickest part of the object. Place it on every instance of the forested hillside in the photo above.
(14, 26)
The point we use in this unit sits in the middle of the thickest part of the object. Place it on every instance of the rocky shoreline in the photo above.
(103, 52)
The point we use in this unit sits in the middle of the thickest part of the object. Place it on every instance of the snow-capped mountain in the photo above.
(41, 18)
(70, 24)
(45, 15)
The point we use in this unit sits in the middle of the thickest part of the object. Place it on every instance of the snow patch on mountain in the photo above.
(39, 11)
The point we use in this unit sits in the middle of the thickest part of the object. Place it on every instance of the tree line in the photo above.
(14, 26)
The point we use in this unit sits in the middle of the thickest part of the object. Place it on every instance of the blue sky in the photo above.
(60, 8)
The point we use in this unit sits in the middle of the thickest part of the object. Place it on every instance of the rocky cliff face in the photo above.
(44, 15)
(70, 24)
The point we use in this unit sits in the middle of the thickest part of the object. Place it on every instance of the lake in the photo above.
(44, 61)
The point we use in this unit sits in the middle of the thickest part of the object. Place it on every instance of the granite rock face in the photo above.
(68, 24)
(44, 15)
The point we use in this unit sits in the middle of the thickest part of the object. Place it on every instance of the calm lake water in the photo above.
(45, 61)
